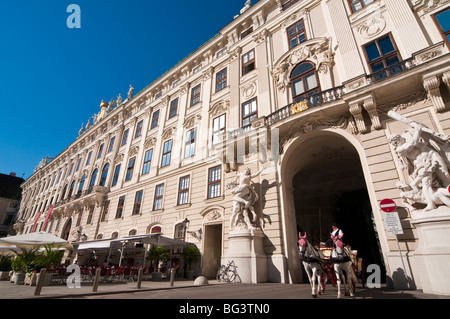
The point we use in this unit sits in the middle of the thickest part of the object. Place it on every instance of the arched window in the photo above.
(155, 229)
(104, 175)
(305, 81)
(80, 187)
(115, 235)
(132, 232)
(93, 178)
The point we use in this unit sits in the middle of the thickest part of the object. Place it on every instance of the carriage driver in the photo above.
(335, 232)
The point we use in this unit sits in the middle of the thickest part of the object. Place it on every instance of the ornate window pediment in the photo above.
(316, 50)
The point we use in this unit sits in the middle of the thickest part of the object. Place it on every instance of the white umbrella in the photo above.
(34, 240)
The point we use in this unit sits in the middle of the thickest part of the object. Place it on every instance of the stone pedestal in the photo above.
(431, 260)
(246, 250)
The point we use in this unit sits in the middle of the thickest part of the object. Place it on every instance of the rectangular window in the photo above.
(137, 203)
(88, 158)
(195, 95)
(105, 211)
(246, 32)
(111, 144)
(167, 151)
(130, 169)
(296, 34)
(357, 5)
(286, 4)
(249, 112)
(218, 129)
(183, 191)
(157, 201)
(116, 175)
(138, 129)
(147, 161)
(442, 20)
(124, 137)
(221, 80)
(173, 108)
(248, 62)
(80, 216)
(214, 181)
(76, 170)
(189, 143)
(100, 151)
(382, 54)
(155, 118)
(91, 214)
(71, 168)
(120, 204)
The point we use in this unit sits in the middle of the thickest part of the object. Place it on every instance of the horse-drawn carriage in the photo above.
(338, 264)
(357, 264)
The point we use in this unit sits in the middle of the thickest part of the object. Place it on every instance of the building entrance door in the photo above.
(329, 187)
(212, 250)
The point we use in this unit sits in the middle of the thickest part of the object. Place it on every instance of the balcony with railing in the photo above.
(98, 192)
(312, 101)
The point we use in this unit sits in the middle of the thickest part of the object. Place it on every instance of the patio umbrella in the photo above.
(34, 240)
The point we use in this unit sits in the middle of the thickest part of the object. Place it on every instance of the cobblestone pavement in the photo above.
(187, 290)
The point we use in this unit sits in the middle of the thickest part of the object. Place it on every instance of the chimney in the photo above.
(12, 174)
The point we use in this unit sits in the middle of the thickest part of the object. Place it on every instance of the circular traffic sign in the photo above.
(388, 205)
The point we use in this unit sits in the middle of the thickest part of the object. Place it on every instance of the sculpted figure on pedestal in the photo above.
(244, 200)
(425, 155)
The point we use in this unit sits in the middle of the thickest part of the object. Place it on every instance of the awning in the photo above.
(153, 239)
(94, 244)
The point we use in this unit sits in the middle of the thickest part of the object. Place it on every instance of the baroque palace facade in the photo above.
(299, 88)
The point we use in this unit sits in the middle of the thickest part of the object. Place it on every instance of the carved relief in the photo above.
(133, 150)
(249, 90)
(372, 27)
(423, 7)
(168, 132)
(150, 142)
(219, 107)
(190, 121)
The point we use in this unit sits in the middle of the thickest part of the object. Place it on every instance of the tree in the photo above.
(157, 254)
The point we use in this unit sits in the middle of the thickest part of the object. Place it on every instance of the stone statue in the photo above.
(88, 125)
(244, 200)
(81, 131)
(425, 155)
(248, 3)
(130, 92)
(119, 99)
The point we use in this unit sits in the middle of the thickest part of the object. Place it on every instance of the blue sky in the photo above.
(53, 78)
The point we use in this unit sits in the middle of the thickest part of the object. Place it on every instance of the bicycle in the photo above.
(228, 273)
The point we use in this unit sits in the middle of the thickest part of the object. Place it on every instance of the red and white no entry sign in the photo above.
(388, 205)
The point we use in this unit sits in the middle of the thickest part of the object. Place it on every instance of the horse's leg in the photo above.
(352, 280)
(319, 279)
(313, 282)
(338, 280)
(309, 274)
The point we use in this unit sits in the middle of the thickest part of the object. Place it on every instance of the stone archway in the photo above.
(323, 181)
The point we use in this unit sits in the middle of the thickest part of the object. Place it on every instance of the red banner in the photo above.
(46, 219)
(35, 222)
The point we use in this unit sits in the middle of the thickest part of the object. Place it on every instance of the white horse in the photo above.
(343, 267)
(310, 258)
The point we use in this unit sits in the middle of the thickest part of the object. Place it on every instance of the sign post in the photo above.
(393, 226)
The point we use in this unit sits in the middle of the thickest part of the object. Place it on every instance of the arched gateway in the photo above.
(323, 182)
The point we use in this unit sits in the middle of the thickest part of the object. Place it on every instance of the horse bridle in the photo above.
(314, 254)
